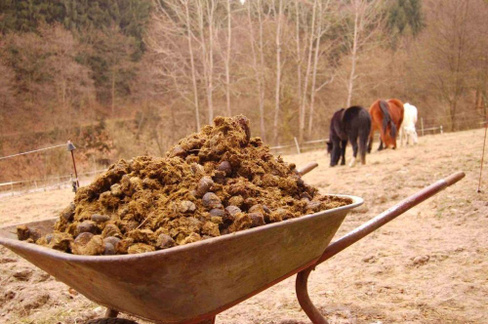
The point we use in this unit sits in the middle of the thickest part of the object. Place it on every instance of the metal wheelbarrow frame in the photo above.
(195, 282)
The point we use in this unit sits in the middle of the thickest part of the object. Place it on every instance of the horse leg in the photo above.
(381, 145)
(337, 151)
(343, 152)
(354, 144)
(382, 139)
(353, 139)
(370, 141)
(403, 133)
(334, 155)
(362, 148)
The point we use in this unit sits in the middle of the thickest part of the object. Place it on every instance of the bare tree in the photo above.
(189, 36)
(7, 91)
(174, 45)
(72, 83)
(47, 75)
(451, 50)
(317, 50)
(278, 70)
(304, 92)
(7, 98)
(480, 32)
(206, 14)
(257, 49)
(366, 20)
(311, 26)
(227, 58)
(301, 112)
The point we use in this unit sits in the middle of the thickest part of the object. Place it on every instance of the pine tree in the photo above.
(405, 16)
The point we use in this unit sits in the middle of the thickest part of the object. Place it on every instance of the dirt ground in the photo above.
(427, 266)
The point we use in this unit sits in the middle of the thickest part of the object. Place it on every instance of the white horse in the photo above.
(407, 130)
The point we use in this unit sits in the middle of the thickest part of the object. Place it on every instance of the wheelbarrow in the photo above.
(194, 282)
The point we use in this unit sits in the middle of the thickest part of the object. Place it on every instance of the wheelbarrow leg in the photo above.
(360, 232)
(304, 300)
(111, 312)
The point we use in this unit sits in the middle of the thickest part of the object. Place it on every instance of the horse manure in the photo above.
(218, 181)
(24, 233)
(100, 218)
(257, 219)
(165, 241)
(88, 244)
(140, 248)
(111, 240)
(109, 249)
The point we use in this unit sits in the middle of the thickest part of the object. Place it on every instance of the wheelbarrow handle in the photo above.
(360, 232)
(388, 215)
(307, 168)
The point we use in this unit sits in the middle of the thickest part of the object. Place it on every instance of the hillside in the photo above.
(167, 68)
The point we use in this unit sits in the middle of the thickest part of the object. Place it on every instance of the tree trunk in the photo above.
(227, 59)
(262, 72)
(452, 115)
(355, 39)
(299, 69)
(210, 12)
(192, 64)
(278, 74)
(113, 92)
(307, 75)
(258, 69)
(314, 71)
(66, 108)
(207, 56)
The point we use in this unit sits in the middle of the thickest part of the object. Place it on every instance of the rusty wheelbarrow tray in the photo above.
(192, 283)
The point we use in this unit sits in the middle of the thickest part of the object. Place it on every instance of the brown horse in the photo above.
(387, 117)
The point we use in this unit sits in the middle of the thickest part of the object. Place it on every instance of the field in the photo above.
(427, 266)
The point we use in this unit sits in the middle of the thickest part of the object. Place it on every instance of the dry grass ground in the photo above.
(427, 266)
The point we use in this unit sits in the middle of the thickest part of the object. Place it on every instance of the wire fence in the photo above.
(48, 182)
(33, 151)
(297, 148)
(19, 187)
(13, 188)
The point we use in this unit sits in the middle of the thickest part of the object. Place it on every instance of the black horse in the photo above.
(349, 124)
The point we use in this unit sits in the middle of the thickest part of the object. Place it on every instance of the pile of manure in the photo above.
(212, 183)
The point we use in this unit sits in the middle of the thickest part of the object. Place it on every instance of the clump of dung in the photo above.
(211, 183)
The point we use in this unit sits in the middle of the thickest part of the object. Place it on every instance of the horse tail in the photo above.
(387, 118)
(393, 131)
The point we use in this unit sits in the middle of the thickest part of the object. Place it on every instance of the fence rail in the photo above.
(296, 148)
(10, 188)
(431, 129)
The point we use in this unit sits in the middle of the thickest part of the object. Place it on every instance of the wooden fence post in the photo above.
(422, 125)
(298, 146)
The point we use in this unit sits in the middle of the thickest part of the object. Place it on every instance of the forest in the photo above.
(121, 78)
